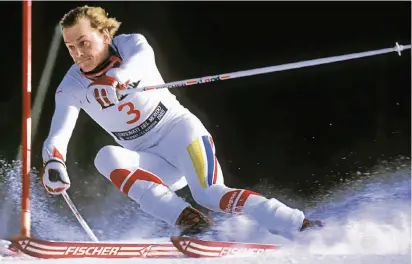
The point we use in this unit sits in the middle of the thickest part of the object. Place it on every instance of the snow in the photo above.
(368, 221)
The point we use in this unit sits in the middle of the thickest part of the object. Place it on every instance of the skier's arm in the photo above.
(138, 59)
(67, 108)
(54, 174)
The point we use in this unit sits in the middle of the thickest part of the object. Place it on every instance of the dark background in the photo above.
(303, 129)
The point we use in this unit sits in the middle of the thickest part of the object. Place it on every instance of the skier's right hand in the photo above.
(104, 90)
(54, 177)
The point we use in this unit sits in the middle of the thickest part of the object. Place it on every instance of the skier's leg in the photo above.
(145, 177)
(194, 155)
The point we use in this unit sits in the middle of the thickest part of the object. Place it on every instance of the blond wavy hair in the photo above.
(97, 16)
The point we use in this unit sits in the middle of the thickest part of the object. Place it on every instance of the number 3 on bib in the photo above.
(134, 113)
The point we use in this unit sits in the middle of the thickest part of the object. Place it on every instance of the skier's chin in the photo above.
(87, 66)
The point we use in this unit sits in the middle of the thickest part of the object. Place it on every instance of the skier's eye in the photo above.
(84, 43)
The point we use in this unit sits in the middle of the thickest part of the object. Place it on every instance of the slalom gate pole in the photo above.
(26, 121)
(79, 217)
(226, 76)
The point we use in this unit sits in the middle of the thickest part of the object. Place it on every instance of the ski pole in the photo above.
(226, 76)
(79, 217)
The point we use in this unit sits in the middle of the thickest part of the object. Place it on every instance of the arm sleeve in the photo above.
(138, 57)
(64, 119)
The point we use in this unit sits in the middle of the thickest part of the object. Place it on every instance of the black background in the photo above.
(301, 129)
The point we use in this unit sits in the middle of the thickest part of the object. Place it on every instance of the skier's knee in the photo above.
(201, 198)
(207, 197)
(103, 158)
(110, 158)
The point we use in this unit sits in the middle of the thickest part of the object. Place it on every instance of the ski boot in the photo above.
(192, 222)
(307, 224)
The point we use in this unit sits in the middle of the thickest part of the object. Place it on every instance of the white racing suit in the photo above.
(162, 146)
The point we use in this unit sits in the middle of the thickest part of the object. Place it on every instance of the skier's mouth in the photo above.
(83, 61)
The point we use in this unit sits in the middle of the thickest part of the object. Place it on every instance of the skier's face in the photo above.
(87, 46)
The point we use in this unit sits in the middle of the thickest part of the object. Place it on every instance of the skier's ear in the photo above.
(106, 36)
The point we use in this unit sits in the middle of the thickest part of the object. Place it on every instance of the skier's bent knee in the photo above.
(203, 199)
(103, 154)
(108, 158)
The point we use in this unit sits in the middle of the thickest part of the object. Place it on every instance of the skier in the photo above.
(162, 146)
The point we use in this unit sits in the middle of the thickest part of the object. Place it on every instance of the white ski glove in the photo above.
(105, 88)
(55, 178)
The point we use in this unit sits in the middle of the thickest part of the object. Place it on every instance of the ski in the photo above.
(197, 248)
(55, 249)
(179, 247)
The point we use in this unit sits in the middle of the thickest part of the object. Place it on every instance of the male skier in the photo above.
(162, 145)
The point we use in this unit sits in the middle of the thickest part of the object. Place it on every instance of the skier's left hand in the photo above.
(54, 176)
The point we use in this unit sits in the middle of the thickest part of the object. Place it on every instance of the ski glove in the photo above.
(105, 88)
(55, 178)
